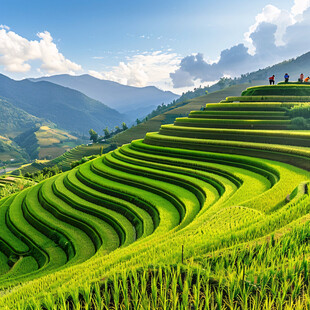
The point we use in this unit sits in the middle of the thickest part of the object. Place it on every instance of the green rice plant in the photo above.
(86, 294)
(75, 298)
(49, 303)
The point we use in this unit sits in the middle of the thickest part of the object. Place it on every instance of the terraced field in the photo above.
(66, 159)
(210, 212)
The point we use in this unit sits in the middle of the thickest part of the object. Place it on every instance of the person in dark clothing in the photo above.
(286, 77)
(271, 80)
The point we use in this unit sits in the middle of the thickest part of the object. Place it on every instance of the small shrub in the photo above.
(299, 123)
(82, 161)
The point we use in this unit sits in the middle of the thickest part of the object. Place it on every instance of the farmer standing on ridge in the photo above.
(301, 78)
(286, 77)
(271, 80)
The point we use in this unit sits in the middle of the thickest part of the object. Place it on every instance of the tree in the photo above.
(138, 121)
(93, 135)
(106, 133)
(117, 130)
(124, 126)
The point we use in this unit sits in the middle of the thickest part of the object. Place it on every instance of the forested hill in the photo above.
(68, 108)
(14, 120)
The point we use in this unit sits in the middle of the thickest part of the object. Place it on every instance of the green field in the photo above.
(211, 212)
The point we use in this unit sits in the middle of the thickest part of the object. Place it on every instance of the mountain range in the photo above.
(135, 102)
(67, 108)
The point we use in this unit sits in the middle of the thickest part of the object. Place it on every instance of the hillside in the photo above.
(67, 108)
(178, 110)
(13, 120)
(44, 142)
(135, 102)
(137, 132)
(294, 67)
(211, 211)
(11, 153)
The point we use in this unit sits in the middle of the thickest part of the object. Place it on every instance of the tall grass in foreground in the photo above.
(181, 287)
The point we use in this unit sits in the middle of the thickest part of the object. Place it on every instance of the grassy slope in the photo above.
(13, 120)
(64, 161)
(46, 142)
(54, 142)
(9, 150)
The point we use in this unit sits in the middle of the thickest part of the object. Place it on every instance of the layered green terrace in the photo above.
(221, 182)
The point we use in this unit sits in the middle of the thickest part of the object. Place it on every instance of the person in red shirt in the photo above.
(301, 78)
(271, 80)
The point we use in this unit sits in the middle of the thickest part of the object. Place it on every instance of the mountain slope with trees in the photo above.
(13, 120)
(67, 108)
(294, 67)
(133, 101)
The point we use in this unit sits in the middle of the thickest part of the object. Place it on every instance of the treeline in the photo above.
(94, 136)
(43, 174)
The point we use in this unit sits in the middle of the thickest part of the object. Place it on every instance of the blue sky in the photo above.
(105, 37)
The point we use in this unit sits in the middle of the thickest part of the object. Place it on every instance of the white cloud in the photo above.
(273, 15)
(281, 18)
(299, 7)
(4, 27)
(143, 69)
(16, 52)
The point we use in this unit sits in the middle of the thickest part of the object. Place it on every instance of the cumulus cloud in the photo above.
(299, 7)
(143, 69)
(270, 15)
(16, 52)
(275, 36)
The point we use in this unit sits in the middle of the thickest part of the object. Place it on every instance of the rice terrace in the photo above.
(211, 212)
(155, 155)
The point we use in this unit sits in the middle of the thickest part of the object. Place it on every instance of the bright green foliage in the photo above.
(300, 111)
(210, 213)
